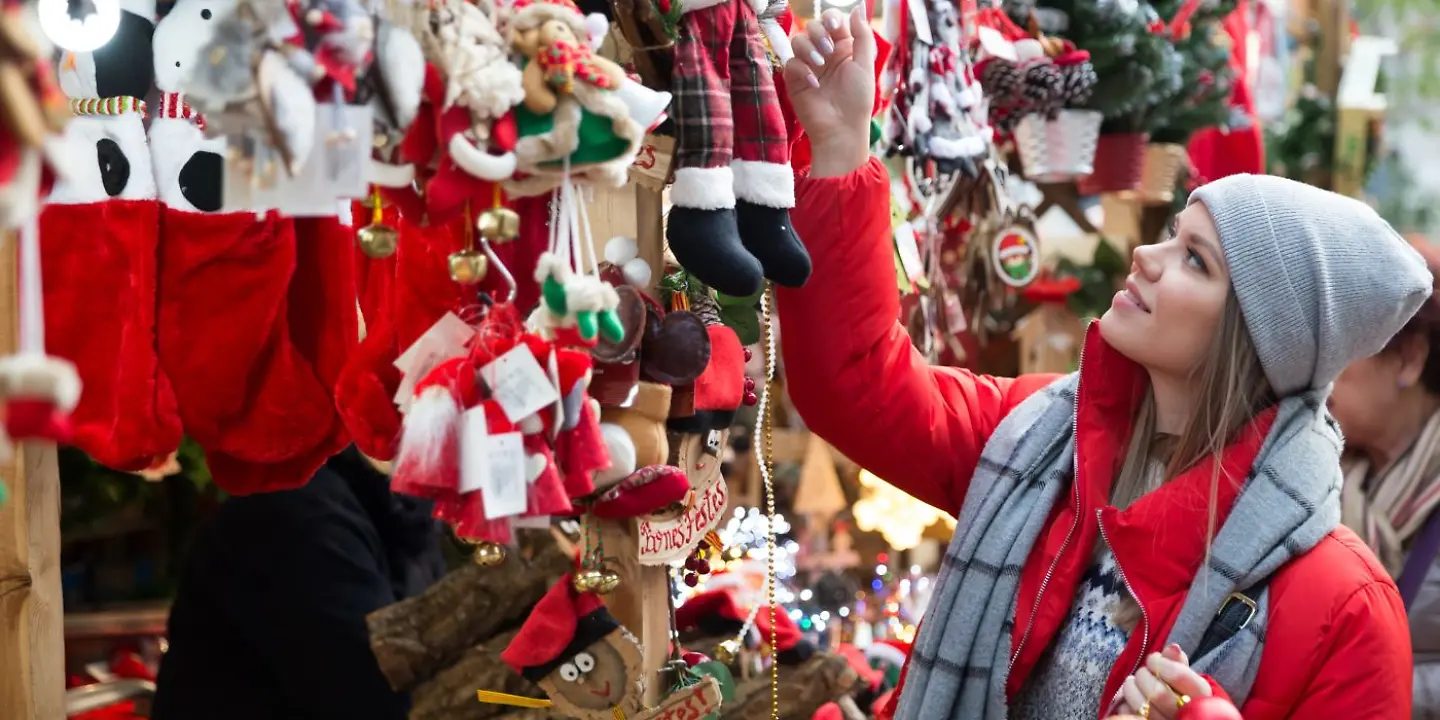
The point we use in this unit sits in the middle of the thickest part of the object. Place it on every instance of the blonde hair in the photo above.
(1230, 388)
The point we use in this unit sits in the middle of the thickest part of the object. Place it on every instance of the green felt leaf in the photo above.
(743, 320)
(727, 300)
(722, 675)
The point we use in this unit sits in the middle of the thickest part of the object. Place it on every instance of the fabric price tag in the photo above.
(519, 384)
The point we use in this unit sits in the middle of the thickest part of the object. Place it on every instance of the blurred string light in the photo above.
(744, 540)
(901, 519)
(87, 33)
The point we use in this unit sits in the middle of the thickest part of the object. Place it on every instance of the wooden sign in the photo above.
(1359, 106)
(652, 165)
(672, 540)
(689, 703)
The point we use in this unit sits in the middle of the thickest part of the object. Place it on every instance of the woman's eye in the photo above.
(1195, 260)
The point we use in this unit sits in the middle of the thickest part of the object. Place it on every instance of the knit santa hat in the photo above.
(563, 624)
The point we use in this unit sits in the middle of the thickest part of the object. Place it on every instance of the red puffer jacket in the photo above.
(1337, 644)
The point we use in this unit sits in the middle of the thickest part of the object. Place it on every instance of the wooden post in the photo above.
(32, 637)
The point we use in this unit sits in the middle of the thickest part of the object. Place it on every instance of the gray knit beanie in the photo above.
(1322, 280)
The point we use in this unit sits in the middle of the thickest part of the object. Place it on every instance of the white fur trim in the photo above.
(34, 376)
(403, 62)
(703, 188)
(646, 106)
(887, 653)
(478, 163)
(598, 27)
(758, 6)
(431, 426)
(762, 183)
(695, 5)
(549, 265)
(622, 455)
(173, 141)
(586, 293)
(388, 175)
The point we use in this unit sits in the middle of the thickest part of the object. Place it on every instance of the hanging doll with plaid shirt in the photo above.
(730, 220)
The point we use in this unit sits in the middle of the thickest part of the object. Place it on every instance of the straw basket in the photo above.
(1119, 164)
(1058, 150)
(1163, 164)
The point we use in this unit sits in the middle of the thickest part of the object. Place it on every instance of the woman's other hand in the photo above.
(1154, 691)
(831, 83)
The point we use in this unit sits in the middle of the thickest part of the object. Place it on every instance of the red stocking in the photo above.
(99, 267)
(323, 327)
(243, 389)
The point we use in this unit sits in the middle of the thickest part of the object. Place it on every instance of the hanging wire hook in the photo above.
(497, 264)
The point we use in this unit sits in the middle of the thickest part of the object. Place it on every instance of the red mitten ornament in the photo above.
(1208, 708)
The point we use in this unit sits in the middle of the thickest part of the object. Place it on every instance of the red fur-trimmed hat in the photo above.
(644, 491)
(717, 612)
(562, 624)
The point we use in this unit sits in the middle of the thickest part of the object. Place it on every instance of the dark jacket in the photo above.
(269, 618)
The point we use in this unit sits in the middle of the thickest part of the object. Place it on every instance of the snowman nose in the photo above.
(69, 63)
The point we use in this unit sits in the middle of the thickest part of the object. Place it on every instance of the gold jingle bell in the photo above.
(499, 225)
(468, 267)
(488, 554)
(588, 580)
(377, 241)
(728, 652)
(609, 580)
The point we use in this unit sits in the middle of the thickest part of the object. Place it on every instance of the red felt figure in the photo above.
(734, 187)
(98, 239)
(428, 462)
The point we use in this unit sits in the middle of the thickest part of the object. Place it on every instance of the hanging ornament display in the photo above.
(577, 306)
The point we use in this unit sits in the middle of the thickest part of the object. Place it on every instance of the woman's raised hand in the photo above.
(831, 83)
(1154, 691)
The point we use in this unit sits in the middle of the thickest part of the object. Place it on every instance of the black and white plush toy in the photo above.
(189, 167)
(107, 90)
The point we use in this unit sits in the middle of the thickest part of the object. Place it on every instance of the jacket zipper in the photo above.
(1144, 616)
(1075, 492)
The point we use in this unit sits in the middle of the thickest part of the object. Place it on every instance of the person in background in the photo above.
(269, 618)
(1162, 524)
(1388, 406)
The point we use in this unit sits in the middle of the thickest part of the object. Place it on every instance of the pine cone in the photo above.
(1078, 84)
(706, 308)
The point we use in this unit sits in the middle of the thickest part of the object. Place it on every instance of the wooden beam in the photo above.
(32, 618)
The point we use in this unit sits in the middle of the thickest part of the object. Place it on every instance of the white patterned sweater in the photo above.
(1070, 678)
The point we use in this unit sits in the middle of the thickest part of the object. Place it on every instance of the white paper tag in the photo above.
(909, 248)
(474, 452)
(445, 339)
(506, 488)
(519, 384)
(994, 44)
(920, 18)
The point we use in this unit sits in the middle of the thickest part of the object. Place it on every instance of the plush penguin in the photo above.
(257, 310)
(98, 246)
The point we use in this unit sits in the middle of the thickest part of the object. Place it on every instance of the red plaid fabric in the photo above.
(754, 105)
(704, 126)
(725, 105)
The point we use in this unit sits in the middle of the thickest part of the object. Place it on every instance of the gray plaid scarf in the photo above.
(962, 657)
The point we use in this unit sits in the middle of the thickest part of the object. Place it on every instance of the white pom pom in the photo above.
(1029, 49)
(620, 250)
(598, 27)
(622, 455)
(637, 272)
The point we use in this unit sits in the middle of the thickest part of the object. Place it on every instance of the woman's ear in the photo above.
(1413, 351)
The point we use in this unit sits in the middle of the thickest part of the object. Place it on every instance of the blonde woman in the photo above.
(1188, 469)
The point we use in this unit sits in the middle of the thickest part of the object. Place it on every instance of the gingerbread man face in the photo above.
(601, 677)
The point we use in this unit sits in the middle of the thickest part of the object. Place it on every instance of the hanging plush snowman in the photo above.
(189, 167)
(107, 88)
(98, 238)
